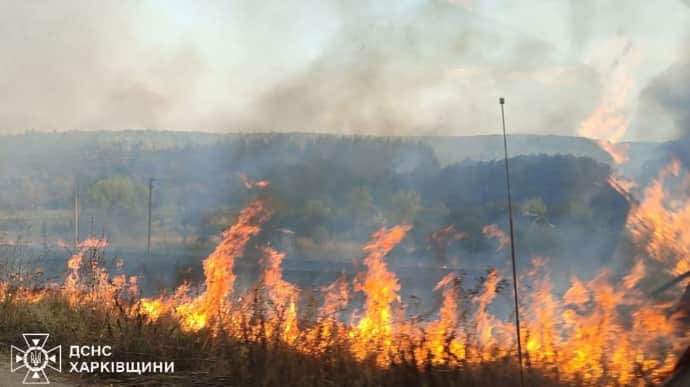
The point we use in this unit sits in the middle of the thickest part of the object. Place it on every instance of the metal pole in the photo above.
(148, 235)
(512, 244)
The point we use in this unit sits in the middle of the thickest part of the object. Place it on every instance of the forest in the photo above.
(327, 193)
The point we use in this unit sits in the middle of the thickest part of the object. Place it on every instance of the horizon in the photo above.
(325, 134)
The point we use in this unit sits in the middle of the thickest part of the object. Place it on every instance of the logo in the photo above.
(36, 358)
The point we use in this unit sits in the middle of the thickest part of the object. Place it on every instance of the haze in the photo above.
(391, 67)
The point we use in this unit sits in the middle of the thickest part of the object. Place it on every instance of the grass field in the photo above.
(207, 358)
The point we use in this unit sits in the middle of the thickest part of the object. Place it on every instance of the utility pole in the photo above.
(76, 213)
(512, 244)
(148, 235)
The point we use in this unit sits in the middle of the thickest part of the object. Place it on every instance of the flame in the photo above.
(621, 184)
(249, 183)
(603, 331)
(439, 240)
(336, 297)
(541, 322)
(443, 335)
(282, 297)
(659, 223)
(490, 331)
(492, 231)
(374, 332)
(609, 121)
(218, 269)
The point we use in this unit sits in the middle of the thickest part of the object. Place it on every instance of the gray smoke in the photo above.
(385, 67)
(68, 65)
(670, 94)
(433, 69)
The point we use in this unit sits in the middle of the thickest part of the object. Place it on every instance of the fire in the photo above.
(328, 328)
(97, 286)
(281, 296)
(213, 302)
(659, 223)
(249, 183)
(604, 331)
(336, 297)
(439, 240)
(492, 231)
(609, 121)
(72, 284)
(443, 335)
(374, 332)
(622, 185)
(542, 320)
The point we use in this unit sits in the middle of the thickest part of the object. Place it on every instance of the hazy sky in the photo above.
(343, 66)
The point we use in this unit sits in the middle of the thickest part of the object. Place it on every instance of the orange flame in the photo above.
(218, 268)
(492, 231)
(599, 332)
(608, 122)
(374, 332)
(249, 183)
(282, 297)
(659, 224)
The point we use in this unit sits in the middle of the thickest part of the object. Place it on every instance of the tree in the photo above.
(536, 210)
(405, 206)
(121, 205)
(359, 204)
(113, 193)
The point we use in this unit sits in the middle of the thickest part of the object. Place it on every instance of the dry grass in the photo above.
(205, 359)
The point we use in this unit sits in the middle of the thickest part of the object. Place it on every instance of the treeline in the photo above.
(324, 189)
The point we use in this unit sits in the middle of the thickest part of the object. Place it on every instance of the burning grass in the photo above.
(599, 332)
(249, 357)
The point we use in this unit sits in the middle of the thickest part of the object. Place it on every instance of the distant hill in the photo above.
(448, 149)
(323, 188)
(94, 146)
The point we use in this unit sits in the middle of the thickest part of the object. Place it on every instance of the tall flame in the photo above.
(604, 331)
(282, 297)
(659, 223)
(374, 332)
(213, 302)
(609, 121)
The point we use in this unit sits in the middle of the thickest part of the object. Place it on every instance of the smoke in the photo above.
(669, 94)
(387, 67)
(435, 68)
(666, 102)
(82, 65)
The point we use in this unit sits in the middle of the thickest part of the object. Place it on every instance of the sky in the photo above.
(389, 67)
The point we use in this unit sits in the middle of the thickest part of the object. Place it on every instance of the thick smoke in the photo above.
(385, 67)
(670, 94)
(82, 65)
(665, 103)
(435, 68)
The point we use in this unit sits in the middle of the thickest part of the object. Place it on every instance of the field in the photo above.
(401, 279)
(599, 333)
